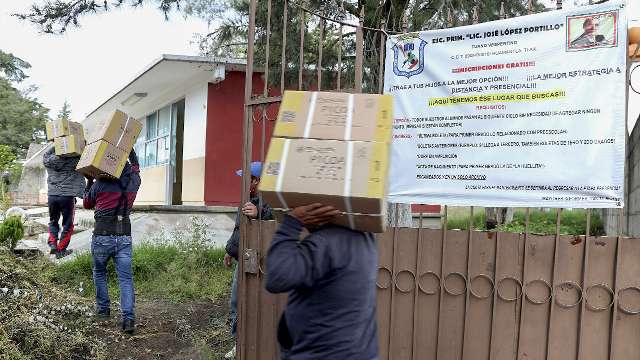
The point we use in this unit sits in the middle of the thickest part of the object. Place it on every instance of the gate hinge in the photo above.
(251, 261)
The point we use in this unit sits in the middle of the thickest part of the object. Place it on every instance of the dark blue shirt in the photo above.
(331, 280)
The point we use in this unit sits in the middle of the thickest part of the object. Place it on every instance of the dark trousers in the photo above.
(64, 206)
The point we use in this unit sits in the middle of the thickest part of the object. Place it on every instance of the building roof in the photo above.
(167, 71)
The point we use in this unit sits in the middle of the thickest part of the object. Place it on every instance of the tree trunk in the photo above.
(400, 218)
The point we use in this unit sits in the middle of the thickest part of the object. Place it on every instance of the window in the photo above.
(154, 148)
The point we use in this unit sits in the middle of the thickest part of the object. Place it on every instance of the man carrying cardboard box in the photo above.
(112, 200)
(331, 280)
(64, 185)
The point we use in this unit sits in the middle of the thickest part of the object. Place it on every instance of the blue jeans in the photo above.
(119, 248)
(234, 303)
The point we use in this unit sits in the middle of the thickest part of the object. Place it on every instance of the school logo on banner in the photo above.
(408, 56)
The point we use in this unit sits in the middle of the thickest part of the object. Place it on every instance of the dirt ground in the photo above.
(196, 330)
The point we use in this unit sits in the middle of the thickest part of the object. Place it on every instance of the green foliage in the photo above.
(462, 222)
(22, 119)
(7, 158)
(572, 222)
(11, 231)
(544, 223)
(54, 17)
(65, 112)
(12, 67)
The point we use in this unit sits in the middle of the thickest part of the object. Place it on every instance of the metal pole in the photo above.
(301, 65)
(246, 179)
(359, 52)
(283, 59)
(320, 40)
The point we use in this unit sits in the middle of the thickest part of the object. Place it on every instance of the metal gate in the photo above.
(479, 295)
(442, 294)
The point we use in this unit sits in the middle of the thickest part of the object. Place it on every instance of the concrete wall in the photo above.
(193, 157)
(154, 186)
(224, 138)
(631, 217)
(33, 180)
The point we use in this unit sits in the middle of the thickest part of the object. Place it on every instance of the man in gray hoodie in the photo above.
(64, 185)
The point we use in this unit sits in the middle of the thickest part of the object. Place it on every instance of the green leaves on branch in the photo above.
(56, 16)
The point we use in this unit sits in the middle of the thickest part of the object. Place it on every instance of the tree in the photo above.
(12, 67)
(22, 117)
(21, 120)
(65, 112)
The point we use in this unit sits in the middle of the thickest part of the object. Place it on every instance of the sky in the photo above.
(87, 65)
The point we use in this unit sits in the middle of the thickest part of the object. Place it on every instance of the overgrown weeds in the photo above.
(178, 265)
(572, 222)
(39, 321)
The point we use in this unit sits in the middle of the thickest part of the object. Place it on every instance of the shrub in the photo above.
(11, 231)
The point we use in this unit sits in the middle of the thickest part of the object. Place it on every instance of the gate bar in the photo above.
(468, 283)
(522, 281)
(585, 266)
(359, 51)
(246, 157)
(615, 287)
(301, 54)
(553, 281)
(393, 285)
(442, 267)
(283, 59)
(416, 307)
(320, 41)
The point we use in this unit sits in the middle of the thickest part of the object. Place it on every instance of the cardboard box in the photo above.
(101, 159)
(348, 175)
(63, 127)
(335, 116)
(118, 129)
(71, 145)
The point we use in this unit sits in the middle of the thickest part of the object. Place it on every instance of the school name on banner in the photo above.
(522, 112)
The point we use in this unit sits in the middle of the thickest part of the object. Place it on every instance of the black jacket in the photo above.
(62, 177)
(331, 280)
(233, 244)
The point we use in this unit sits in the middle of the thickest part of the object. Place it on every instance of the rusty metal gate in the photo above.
(442, 294)
(481, 295)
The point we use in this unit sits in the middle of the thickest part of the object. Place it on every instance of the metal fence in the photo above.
(449, 294)
(442, 294)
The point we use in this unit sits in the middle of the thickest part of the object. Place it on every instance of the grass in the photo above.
(572, 222)
(180, 268)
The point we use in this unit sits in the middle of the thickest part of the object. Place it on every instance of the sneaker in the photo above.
(63, 253)
(231, 354)
(53, 249)
(128, 326)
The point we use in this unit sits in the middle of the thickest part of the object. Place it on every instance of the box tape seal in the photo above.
(283, 165)
(347, 184)
(349, 121)
(123, 131)
(310, 113)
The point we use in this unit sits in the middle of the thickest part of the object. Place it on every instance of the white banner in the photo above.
(523, 112)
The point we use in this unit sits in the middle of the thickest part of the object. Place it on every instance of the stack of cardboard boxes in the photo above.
(109, 146)
(331, 148)
(67, 136)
